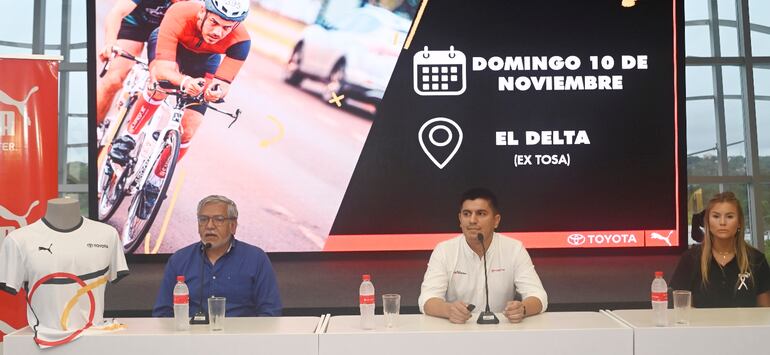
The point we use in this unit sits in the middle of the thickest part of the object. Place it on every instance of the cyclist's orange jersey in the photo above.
(180, 27)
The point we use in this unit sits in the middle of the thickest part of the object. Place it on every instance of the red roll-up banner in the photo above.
(28, 155)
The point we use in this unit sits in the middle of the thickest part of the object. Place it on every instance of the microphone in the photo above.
(200, 317)
(486, 317)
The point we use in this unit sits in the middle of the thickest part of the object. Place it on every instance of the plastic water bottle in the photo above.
(181, 304)
(366, 302)
(659, 300)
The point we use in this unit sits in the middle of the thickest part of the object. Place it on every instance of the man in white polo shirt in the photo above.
(455, 275)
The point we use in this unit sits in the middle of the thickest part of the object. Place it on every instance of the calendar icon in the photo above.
(439, 73)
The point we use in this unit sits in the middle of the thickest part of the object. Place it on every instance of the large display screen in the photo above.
(361, 123)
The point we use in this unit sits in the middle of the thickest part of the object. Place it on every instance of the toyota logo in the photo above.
(576, 239)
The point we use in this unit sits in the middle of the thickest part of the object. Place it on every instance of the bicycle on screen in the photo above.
(156, 158)
(133, 86)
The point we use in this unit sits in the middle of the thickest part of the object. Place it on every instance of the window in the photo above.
(728, 107)
(58, 28)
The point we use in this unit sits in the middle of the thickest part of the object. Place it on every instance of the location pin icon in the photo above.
(440, 139)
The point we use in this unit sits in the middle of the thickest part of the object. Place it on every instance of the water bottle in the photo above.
(659, 300)
(181, 304)
(366, 302)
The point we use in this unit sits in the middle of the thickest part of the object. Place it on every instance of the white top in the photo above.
(550, 333)
(456, 273)
(64, 273)
(700, 318)
(151, 336)
(419, 323)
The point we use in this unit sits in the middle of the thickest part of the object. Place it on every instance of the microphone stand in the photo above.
(200, 317)
(486, 317)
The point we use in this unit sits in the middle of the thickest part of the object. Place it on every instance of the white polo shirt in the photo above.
(64, 274)
(456, 273)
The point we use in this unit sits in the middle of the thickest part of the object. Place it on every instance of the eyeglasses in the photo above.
(218, 220)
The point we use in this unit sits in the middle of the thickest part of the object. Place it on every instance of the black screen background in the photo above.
(625, 179)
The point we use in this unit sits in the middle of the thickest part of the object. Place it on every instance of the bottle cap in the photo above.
(658, 273)
(180, 278)
(366, 277)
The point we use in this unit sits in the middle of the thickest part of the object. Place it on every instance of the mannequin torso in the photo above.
(63, 214)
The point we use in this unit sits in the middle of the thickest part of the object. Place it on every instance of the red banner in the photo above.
(531, 240)
(28, 156)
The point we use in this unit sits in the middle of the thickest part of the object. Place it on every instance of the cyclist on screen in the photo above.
(186, 50)
(127, 25)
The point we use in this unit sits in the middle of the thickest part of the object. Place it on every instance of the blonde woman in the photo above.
(724, 271)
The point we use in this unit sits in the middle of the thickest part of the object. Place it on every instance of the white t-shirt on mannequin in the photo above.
(64, 273)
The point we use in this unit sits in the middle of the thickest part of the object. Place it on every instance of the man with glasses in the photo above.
(220, 265)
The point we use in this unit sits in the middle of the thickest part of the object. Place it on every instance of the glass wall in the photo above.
(728, 107)
(58, 27)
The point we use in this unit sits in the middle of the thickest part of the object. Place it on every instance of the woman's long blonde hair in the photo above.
(741, 247)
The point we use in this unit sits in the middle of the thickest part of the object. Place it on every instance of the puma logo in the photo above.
(21, 220)
(21, 105)
(661, 237)
(46, 249)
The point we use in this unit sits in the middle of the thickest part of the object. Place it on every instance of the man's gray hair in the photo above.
(232, 209)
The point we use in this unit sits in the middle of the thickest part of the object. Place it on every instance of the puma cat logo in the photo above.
(46, 249)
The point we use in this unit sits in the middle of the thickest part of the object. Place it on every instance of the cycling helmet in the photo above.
(231, 10)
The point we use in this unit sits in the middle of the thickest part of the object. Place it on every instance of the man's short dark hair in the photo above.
(482, 193)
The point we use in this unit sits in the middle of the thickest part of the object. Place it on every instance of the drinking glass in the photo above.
(682, 305)
(217, 313)
(391, 307)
